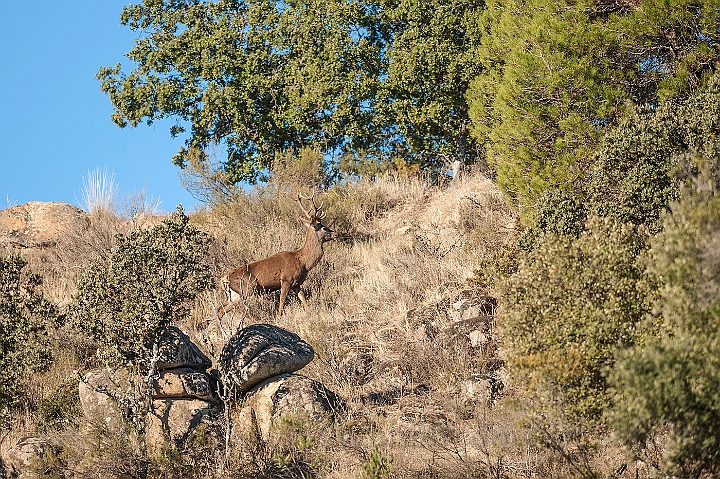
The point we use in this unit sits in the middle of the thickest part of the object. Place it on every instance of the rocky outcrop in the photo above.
(256, 361)
(457, 329)
(469, 304)
(182, 392)
(176, 350)
(37, 224)
(287, 394)
(173, 421)
(259, 352)
(19, 458)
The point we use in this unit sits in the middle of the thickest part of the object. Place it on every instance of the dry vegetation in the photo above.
(382, 316)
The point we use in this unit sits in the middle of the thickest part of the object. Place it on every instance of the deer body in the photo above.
(285, 271)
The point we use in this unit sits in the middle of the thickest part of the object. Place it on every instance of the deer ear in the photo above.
(305, 222)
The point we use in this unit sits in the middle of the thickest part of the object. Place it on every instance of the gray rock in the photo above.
(470, 305)
(183, 383)
(100, 390)
(477, 389)
(176, 350)
(20, 457)
(171, 421)
(427, 321)
(260, 352)
(287, 394)
(474, 332)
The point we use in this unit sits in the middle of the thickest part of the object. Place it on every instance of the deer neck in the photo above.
(312, 250)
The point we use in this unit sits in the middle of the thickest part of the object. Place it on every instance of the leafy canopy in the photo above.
(366, 82)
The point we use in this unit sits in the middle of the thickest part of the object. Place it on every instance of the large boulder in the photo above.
(287, 394)
(183, 383)
(19, 458)
(171, 421)
(101, 393)
(176, 350)
(38, 223)
(259, 352)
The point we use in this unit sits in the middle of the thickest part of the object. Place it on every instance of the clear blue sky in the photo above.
(54, 121)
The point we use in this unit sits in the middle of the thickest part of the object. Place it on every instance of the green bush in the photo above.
(557, 213)
(377, 466)
(24, 316)
(60, 408)
(151, 279)
(670, 388)
(633, 178)
(567, 308)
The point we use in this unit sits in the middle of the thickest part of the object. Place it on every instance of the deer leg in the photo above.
(225, 308)
(284, 290)
(301, 296)
(231, 300)
(220, 312)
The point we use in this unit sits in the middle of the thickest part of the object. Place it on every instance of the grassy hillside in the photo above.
(388, 317)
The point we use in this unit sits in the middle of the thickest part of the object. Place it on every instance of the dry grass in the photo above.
(419, 397)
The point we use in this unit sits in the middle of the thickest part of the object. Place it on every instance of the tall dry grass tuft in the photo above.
(99, 191)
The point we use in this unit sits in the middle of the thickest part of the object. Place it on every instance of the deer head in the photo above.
(313, 220)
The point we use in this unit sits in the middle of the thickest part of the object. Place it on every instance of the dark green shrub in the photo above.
(498, 266)
(24, 316)
(557, 213)
(569, 305)
(151, 279)
(670, 387)
(633, 178)
(59, 409)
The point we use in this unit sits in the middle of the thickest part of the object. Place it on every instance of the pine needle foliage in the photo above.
(556, 77)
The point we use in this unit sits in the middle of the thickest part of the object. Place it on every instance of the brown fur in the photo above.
(285, 271)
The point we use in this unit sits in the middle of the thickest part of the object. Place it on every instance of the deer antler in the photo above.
(318, 214)
(299, 196)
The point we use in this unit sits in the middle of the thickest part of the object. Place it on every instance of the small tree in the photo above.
(151, 279)
(669, 389)
(24, 314)
(570, 304)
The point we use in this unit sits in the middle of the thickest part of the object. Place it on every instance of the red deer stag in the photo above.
(285, 271)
